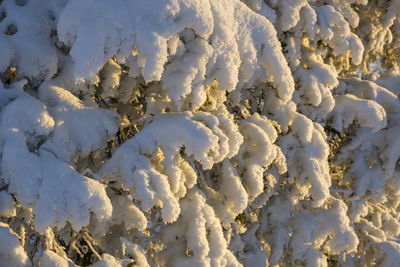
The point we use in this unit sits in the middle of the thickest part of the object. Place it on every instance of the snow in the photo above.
(33, 121)
(31, 172)
(108, 261)
(53, 185)
(66, 195)
(7, 208)
(36, 57)
(315, 87)
(51, 259)
(199, 132)
(232, 192)
(125, 211)
(337, 31)
(230, 46)
(208, 249)
(391, 250)
(202, 136)
(258, 152)
(349, 108)
(291, 13)
(136, 251)
(11, 252)
(68, 138)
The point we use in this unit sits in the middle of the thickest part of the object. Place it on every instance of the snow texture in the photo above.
(38, 177)
(204, 137)
(243, 46)
(199, 132)
(11, 252)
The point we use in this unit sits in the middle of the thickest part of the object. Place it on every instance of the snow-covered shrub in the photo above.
(199, 133)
